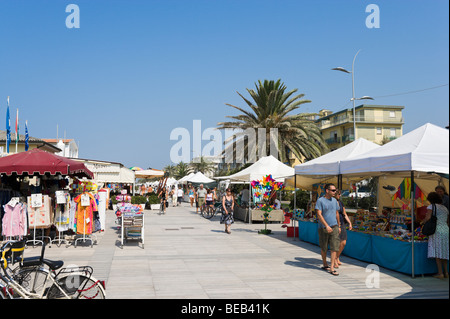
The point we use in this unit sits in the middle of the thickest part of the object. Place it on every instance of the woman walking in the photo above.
(438, 242)
(228, 207)
(192, 195)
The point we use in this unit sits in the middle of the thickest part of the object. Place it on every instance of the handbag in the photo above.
(429, 228)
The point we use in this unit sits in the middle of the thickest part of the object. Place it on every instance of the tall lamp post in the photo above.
(353, 90)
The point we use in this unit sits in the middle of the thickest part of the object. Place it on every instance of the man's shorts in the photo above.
(329, 239)
(201, 201)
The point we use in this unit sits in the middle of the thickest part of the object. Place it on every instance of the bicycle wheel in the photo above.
(208, 212)
(76, 286)
(31, 279)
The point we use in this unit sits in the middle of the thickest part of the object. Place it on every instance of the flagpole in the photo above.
(17, 129)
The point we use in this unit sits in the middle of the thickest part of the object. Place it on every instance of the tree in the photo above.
(182, 169)
(272, 108)
(170, 170)
(203, 166)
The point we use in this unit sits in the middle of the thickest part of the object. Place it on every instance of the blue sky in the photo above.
(135, 70)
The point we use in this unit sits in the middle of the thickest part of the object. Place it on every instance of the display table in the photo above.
(384, 252)
(276, 215)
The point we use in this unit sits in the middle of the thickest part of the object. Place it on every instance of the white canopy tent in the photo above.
(425, 149)
(267, 165)
(200, 178)
(422, 155)
(185, 178)
(326, 168)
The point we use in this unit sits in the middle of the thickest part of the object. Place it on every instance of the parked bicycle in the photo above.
(209, 212)
(40, 278)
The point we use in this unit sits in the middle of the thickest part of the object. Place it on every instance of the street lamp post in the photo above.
(353, 91)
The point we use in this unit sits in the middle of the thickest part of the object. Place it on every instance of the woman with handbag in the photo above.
(438, 242)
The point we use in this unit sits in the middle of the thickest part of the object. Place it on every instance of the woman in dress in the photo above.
(438, 242)
(228, 207)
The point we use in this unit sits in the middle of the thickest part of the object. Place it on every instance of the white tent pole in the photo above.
(413, 193)
(249, 203)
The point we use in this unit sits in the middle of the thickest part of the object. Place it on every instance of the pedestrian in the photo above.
(192, 195)
(173, 193)
(327, 209)
(209, 198)
(180, 194)
(441, 192)
(438, 242)
(163, 198)
(201, 194)
(228, 208)
(344, 221)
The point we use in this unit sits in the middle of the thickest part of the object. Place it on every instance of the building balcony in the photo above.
(333, 140)
(324, 124)
(348, 138)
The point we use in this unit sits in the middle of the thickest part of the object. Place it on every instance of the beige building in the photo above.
(376, 123)
(33, 142)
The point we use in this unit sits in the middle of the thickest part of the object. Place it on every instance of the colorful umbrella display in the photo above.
(135, 168)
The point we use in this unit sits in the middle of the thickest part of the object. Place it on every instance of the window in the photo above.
(391, 114)
(379, 131)
(392, 132)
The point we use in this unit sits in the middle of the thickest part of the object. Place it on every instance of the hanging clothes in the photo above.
(40, 217)
(62, 214)
(85, 213)
(14, 222)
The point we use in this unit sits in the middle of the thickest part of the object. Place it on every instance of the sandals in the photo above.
(334, 273)
(326, 268)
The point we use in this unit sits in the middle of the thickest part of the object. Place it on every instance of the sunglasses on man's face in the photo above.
(332, 190)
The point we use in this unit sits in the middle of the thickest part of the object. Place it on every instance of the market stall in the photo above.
(38, 181)
(267, 165)
(407, 169)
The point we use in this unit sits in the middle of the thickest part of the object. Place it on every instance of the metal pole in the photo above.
(295, 202)
(353, 97)
(413, 193)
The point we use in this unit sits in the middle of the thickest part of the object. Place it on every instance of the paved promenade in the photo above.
(187, 256)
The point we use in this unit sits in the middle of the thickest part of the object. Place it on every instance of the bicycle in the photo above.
(209, 212)
(40, 278)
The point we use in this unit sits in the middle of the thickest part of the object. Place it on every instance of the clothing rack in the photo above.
(36, 241)
(61, 202)
(85, 238)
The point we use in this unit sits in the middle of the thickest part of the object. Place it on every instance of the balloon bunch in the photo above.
(264, 189)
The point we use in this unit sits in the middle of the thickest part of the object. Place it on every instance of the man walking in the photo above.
(201, 194)
(327, 209)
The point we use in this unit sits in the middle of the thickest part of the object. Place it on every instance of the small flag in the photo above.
(17, 127)
(8, 128)
(26, 136)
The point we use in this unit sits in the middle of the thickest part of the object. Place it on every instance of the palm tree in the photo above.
(170, 170)
(270, 109)
(203, 166)
(182, 169)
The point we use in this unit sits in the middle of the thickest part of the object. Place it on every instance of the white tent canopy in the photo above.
(267, 165)
(425, 149)
(326, 168)
(199, 177)
(328, 164)
(185, 178)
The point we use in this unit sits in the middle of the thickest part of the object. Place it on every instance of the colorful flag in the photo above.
(17, 129)
(8, 128)
(26, 136)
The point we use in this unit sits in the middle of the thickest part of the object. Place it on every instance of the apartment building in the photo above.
(376, 123)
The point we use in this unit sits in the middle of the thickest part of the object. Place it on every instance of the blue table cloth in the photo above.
(384, 252)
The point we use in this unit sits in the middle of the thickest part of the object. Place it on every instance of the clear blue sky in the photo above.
(135, 70)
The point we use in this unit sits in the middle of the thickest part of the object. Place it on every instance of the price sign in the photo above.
(85, 200)
(36, 200)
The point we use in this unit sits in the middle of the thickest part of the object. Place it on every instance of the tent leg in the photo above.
(412, 222)
(249, 203)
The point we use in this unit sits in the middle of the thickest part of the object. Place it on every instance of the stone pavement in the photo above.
(187, 256)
